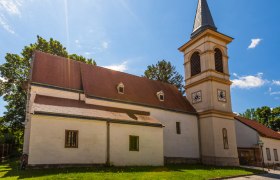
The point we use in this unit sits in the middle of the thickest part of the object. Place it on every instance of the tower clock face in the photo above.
(196, 97)
(222, 95)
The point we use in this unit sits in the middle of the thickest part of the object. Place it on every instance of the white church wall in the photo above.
(47, 141)
(271, 144)
(150, 145)
(246, 137)
(184, 145)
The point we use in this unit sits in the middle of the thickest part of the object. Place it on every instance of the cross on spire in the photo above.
(203, 19)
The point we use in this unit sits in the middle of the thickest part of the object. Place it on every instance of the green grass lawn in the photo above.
(9, 170)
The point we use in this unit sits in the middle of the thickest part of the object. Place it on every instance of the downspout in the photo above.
(108, 144)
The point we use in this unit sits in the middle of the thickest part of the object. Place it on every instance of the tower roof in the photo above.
(203, 19)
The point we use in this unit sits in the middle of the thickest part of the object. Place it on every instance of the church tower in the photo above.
(208, 88)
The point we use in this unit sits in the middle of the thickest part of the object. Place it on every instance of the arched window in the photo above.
(225, 138)
(195, 64)
(219, 60)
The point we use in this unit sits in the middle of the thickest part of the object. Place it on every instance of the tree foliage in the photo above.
(14, 74)
(270, 117)
(163, 71)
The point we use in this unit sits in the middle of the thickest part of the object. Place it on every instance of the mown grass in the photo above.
(10, 170)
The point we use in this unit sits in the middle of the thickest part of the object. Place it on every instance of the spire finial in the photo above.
(203, 19)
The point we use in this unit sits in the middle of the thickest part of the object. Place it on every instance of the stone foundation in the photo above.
(220, 161)
(181, 160)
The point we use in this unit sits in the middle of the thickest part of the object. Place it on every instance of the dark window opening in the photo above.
(121, 89)
(275, 154)
(133, 143)
(195, 64)
(161, 97)
(225, 138)
(268, 154)
(219, 61)
(71, 139)
(178, 127)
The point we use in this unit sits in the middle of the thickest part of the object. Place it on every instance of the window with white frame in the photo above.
(120, 88)
(160, 95)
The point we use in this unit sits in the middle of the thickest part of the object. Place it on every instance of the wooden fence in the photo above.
(5, 151)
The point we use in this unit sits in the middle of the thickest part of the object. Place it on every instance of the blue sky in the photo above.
(128, 35)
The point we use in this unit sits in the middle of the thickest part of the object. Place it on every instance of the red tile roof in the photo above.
(261, 129)
(56, 71)
(99, 82)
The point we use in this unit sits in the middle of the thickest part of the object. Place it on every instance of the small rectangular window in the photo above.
(275, 154)
(225, 138)
(178, 127)
(133, 143)
(71, 139)
(268, 154)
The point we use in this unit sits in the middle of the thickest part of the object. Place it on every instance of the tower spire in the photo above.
(203, 19)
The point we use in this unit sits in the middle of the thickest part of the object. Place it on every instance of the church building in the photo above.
(80, 114)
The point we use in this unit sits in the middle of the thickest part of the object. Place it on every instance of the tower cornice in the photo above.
(208, 32)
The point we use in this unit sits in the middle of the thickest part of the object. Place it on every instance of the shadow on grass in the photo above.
(11, 169)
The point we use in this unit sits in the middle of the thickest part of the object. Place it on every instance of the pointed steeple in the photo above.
(203, 19)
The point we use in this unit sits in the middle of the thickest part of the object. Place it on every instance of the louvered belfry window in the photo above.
(219, 60)
(195, 64)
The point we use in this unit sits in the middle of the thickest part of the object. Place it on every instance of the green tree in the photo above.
(163, 71)
(15, 72)
(250, 114)
(264, 115)
(275, 121)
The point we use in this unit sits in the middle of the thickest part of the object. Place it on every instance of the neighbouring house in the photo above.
(256, 143)
(79, 114)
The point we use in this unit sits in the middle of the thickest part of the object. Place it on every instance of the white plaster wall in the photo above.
(47, 140)
(184, 145)
(271, 144)
(150, 145)
(246, 137)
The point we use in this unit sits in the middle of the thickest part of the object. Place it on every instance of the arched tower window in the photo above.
(195, 64)
(219, 60)
(225, 138)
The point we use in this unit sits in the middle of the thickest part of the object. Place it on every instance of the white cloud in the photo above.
(273, 92)
(118, 67)
(12, 8)
(248, 82)
(105, 45)
(254, 43)
(5, 25)
(276, 82)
